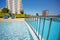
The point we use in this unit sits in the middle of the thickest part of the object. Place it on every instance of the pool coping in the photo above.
(34, 32)
(31, 31)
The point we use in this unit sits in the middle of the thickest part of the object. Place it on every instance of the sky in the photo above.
(37, 6)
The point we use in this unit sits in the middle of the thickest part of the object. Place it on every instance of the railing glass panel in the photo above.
(47, 27)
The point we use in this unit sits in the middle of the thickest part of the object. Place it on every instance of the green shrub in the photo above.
(2, 14)
(16, 15)
(21, 15)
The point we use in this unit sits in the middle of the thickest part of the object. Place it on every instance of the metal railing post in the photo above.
(37, 23)
(43, 29)
(49, 28)
(39, 27)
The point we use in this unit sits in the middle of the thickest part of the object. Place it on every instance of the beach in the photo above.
(9, 19)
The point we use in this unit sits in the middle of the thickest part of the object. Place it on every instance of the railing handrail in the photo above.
(42, 16)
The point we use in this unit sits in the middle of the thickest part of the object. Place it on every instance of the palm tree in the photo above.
(4, 10)
(37, 14)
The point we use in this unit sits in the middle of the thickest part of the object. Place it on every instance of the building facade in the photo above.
(45, 13)
(15, 6)
(0, 10)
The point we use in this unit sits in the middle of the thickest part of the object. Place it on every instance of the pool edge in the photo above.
(32, 33)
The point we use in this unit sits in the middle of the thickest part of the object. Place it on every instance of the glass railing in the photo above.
(45, 27)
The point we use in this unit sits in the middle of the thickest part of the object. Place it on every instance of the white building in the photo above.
(15, 6)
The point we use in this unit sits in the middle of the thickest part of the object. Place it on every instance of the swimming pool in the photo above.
(16, 30)
(37, 24)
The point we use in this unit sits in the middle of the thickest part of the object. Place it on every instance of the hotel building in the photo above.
(15, 6)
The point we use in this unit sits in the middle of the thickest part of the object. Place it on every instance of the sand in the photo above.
(9, 19)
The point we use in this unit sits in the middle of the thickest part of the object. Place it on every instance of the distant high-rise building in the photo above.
(45, 13)
(0, 10)
(15, 6)
(58, 14)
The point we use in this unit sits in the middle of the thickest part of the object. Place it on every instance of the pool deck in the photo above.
(32, 33)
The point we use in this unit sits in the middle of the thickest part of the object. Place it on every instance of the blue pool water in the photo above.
(16, 30)
(54, 31)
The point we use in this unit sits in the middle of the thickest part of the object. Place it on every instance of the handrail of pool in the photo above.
(41, 16)
(44, 24)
